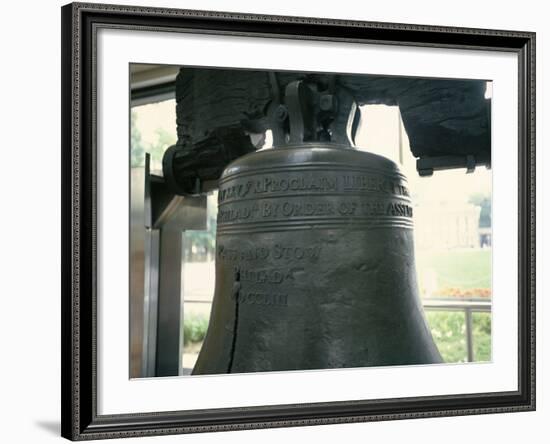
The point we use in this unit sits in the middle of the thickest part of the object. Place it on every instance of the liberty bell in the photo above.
(315, 264)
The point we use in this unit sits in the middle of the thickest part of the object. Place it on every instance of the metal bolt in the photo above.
(281, 113)
(326, 102)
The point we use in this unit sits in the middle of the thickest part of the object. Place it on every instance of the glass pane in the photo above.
(198, 283)
(153, 130)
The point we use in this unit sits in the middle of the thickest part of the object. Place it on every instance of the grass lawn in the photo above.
(460, 269)
(459, 273)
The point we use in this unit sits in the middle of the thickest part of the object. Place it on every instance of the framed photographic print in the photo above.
(278, 221)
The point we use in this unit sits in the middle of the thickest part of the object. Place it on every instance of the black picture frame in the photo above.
(79, 174)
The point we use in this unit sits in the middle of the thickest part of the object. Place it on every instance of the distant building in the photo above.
(446, 224)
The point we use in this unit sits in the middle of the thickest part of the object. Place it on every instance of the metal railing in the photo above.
(468, 307)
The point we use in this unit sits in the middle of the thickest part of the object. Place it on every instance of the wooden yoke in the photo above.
(220, 112)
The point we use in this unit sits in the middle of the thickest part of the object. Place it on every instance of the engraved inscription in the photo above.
(399, 209)
(235, 213)
(278, 251)
(292, 252)
(358, 182)
(299, 183)
(285, 183)
(234, 191)
(302, 208)
(280, 208)
(260, 298)
(267, 285)
(266, 276)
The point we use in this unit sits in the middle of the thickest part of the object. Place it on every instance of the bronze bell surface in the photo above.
(315, 265)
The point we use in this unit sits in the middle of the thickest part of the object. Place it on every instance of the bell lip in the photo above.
(309, 153)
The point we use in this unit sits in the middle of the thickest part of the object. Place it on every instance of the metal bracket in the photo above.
(427, 165)
(166, 216)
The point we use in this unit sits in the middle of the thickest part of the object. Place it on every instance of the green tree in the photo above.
(164, 140)
(137, 150)
(204, 239)
(449, 332)
(483, 201)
